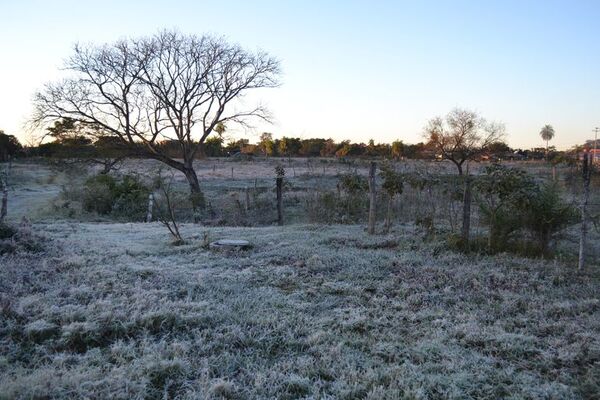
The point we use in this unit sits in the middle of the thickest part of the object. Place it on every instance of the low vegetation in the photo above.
(114, 311)
(324, 310)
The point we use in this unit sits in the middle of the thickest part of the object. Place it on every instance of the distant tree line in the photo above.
(70, 141)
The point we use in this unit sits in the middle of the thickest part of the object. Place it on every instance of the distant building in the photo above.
(593, 154)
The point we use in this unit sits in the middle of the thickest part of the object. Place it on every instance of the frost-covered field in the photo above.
(115, 311)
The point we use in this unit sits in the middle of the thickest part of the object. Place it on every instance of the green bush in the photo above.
(502, 193)
(517, 209)
(126, 197)
(98, 194)
(546, 214)
(355, 202)
(130, 198)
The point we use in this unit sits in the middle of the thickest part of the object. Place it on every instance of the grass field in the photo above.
(113, 310)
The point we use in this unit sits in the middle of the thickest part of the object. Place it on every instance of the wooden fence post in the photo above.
(280, 172)
(587, 173)
(150, 204)
(4, 185)
(466, 225)
(372, 191)
(279, 184)
(247, 198)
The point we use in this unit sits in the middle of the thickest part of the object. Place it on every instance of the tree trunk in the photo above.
(466, 223)
(279, 186)
(459, 168)
(196, 196)
(372, 169)
(584, 211)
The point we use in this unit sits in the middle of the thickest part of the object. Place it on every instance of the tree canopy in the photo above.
(169, 86)
(462, 135)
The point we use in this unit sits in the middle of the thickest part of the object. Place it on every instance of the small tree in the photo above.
(355, 186)
(393, 184)
(397, 149)
(166, 206)
(547, 134)
(501, 193)
(266, 144)
(546, 214)
(463, 135)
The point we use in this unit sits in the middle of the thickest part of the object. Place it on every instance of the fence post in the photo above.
(466, 224)
(279, 183)
(150, 204)
(372, 169)
(247, 198)
(4, 185)
(279, 190)
(587, 172)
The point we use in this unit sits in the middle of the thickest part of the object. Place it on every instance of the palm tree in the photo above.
(547, 133)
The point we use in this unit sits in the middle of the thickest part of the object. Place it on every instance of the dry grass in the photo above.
(115, 311)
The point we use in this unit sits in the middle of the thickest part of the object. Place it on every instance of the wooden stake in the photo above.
(466, 225)
(279, 186)
(587, 173)
(150, 204)
(4, 185)
(247, 199)
(372, 192)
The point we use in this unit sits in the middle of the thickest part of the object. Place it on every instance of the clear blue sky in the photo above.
(352, 69)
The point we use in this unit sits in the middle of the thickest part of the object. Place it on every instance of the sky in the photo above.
(351, 69)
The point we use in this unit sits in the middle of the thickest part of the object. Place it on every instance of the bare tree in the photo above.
(165, 207)
(169, 86)
(463, 135)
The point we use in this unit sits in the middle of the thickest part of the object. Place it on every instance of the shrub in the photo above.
(19, 239)
(130, 197)
(501, 193)
(98, 194)
(353, 183)
(6, 231)
(356, 199)
(546, 214)
(513, 204)
(126, 197)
